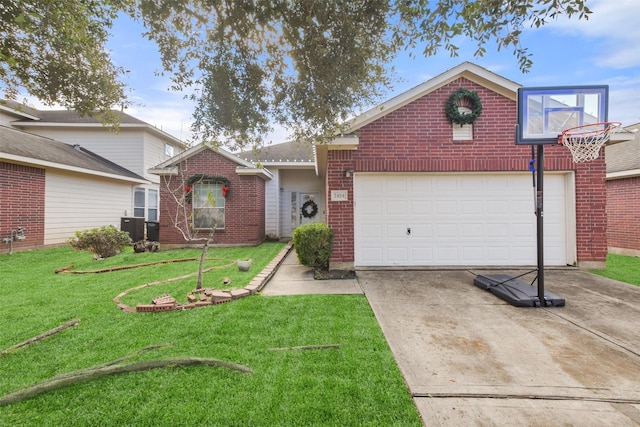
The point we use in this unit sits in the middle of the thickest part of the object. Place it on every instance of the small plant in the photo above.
(103, 242)
(314, 245)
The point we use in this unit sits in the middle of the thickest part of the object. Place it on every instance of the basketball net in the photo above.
(585, 142)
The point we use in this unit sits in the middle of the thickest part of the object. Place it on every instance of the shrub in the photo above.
(103, 242)
(314, 245)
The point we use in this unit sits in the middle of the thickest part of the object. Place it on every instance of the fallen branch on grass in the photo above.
(41, 336)
(68, 268)
(108, 369)
(306, 347)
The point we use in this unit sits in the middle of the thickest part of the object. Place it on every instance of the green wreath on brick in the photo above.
(463, 98)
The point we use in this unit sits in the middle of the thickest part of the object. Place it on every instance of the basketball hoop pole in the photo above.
(511, 289)
(540, 224)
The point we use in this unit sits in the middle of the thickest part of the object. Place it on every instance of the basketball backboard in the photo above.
(544, 112)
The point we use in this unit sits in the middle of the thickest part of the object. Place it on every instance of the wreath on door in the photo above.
(309, 209)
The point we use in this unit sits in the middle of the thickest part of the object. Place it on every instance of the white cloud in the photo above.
(623, 100)
(612, 30)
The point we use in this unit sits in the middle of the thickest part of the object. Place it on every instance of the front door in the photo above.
(308, 208)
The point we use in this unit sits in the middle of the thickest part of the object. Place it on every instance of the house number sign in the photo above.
(339, 196)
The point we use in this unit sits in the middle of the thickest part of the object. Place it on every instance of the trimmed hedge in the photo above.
(314, 245)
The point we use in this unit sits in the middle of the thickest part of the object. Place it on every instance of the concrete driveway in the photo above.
(471, 359)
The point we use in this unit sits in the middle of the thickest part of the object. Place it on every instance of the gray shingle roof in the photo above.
(19, 143)
(286, 152)
(624, 156)
(21, 108)
(67, 116)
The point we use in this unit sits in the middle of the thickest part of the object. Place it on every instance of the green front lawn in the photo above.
(621, 268)
(357, 383)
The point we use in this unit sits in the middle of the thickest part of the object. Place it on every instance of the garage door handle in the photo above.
(408, 231)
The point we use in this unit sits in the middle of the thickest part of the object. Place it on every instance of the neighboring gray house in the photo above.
(137, 146)
(54, 189)
(79, 174)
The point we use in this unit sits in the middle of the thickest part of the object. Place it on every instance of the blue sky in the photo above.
(601, 50)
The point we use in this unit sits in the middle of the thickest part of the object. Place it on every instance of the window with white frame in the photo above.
(139, 196)
(152, 210)
(145, 203)
(168, 150)
(208, 205)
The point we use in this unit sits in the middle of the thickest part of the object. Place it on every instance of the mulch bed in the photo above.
(334, 274)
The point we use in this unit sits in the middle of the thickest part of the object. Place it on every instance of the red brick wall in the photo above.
(418, 138)
(244, 204)
(623, 211)
(22, 204)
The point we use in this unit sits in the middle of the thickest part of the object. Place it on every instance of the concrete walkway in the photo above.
(291, 278)
(470, 359)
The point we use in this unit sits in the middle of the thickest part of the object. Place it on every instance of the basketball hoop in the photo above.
(585, 142)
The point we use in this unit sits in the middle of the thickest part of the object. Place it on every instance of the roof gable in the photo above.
(169, 167)
(349, 140)
(468, 70)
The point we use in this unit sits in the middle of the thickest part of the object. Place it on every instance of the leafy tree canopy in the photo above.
(55, 50)
(304, 64)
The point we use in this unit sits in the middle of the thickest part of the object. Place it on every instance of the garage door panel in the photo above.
(498, 253)
(472, 231)
(446, 255)
(470, 185)
(497, 230)
(473, 253)
(397, 231)
(446, 232)
(373, 255)
(494, 184)
(372, 231)
(456, 219)
(522, 234)
(399, 207)
(424, 231)
(471, 207)
(420, 207)
(444, 185)
(372, 206)
(422, 255)
(446, 207)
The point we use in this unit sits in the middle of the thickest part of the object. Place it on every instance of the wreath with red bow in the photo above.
(200, 177)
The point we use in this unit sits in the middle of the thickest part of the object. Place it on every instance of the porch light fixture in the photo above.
(348, 173)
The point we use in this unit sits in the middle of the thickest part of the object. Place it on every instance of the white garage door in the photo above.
(458, 219)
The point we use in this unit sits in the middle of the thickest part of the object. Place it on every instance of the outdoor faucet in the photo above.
(13, 236)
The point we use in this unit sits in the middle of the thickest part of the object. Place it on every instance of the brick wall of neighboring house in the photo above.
(418, 138)
(623, 211)
(22, 204)
(244, 204)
